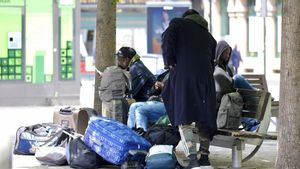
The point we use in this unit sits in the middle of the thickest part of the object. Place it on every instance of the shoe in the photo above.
(204, 160)
(193, 164)
(140, 131)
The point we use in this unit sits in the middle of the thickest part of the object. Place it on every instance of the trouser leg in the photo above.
(204, 139)
(186, 133)
(131, 122)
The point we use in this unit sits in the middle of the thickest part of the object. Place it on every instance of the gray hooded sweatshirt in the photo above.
(223, 73)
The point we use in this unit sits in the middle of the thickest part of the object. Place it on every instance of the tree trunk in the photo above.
(105, 42)
(289, 109)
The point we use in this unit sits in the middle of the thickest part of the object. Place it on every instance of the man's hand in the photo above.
(172, 66)
(98, 72)
(158, 85)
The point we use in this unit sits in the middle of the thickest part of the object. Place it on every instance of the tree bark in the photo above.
(105, 42)
(289, 109)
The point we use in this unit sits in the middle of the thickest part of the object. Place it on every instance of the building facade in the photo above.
(39, 60)
(237, 21)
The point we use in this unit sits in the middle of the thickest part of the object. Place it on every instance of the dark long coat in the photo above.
(189, 94)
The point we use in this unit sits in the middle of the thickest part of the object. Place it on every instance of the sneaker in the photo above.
(140, 131)
(204, 161)
(194, 163)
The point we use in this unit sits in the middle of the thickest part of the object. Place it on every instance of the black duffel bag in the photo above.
(162, 135)
(80, 156)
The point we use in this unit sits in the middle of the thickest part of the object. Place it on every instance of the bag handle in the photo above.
(66, 110)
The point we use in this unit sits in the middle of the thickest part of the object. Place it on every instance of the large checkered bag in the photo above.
(113, 140)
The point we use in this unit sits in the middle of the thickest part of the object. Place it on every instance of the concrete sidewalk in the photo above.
(14, 117)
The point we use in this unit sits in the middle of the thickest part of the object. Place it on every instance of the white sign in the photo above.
(14, 40)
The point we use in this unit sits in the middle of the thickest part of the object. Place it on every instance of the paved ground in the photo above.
(20, 116)
(14, 117)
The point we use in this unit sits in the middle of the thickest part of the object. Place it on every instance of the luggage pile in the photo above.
(81, 139)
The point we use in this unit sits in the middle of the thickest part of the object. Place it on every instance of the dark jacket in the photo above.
(223, 74)
(142, 80)
(189, 94)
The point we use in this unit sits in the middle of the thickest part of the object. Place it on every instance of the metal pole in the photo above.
(210, 16)
(265, 55)
(264, 15)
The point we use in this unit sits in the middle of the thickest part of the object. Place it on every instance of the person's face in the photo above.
(165, 16)
(225, 55)
(123, 62)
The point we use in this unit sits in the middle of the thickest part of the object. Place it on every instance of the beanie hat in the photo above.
(126, 52)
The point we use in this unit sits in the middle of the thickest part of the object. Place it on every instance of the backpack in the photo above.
(229, 114)
(115, 84)
(161, 157)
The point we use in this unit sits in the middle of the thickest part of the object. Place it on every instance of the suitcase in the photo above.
(72, 117)
(113, 140)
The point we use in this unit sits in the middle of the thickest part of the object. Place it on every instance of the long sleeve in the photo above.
(169, 39)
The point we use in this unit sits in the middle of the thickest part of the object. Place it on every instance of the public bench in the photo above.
(259, 82)
(257, 104)
(266, 108)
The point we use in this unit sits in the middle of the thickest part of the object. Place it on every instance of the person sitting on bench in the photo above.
(226, 82)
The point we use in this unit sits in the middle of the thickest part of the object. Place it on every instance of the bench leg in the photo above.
(237, 154)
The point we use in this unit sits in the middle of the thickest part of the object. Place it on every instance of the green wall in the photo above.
(39, 41)
(37, 19)
(66, 43)
(10, 59)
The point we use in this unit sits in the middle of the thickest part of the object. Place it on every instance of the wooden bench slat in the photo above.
(239, 133)
(259, 86)
(257, 80)
(255, 102)
(246, 134)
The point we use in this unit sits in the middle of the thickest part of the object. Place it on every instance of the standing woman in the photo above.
(189, 94)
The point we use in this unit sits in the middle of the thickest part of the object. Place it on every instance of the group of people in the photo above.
(145, 89)
(198, 76)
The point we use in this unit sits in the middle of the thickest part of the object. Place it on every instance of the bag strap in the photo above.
(73, 135)
(53, 136)
(63, 130)
(128, 84)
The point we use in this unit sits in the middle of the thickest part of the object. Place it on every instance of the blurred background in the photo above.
(47, 48)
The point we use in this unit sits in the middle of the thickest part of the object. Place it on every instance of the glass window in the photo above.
(278, 27)
(39, 41)
(224, 18)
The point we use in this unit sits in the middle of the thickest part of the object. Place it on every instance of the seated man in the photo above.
(142, 79)
(225, 82)
(141, 113)
(115, 89)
